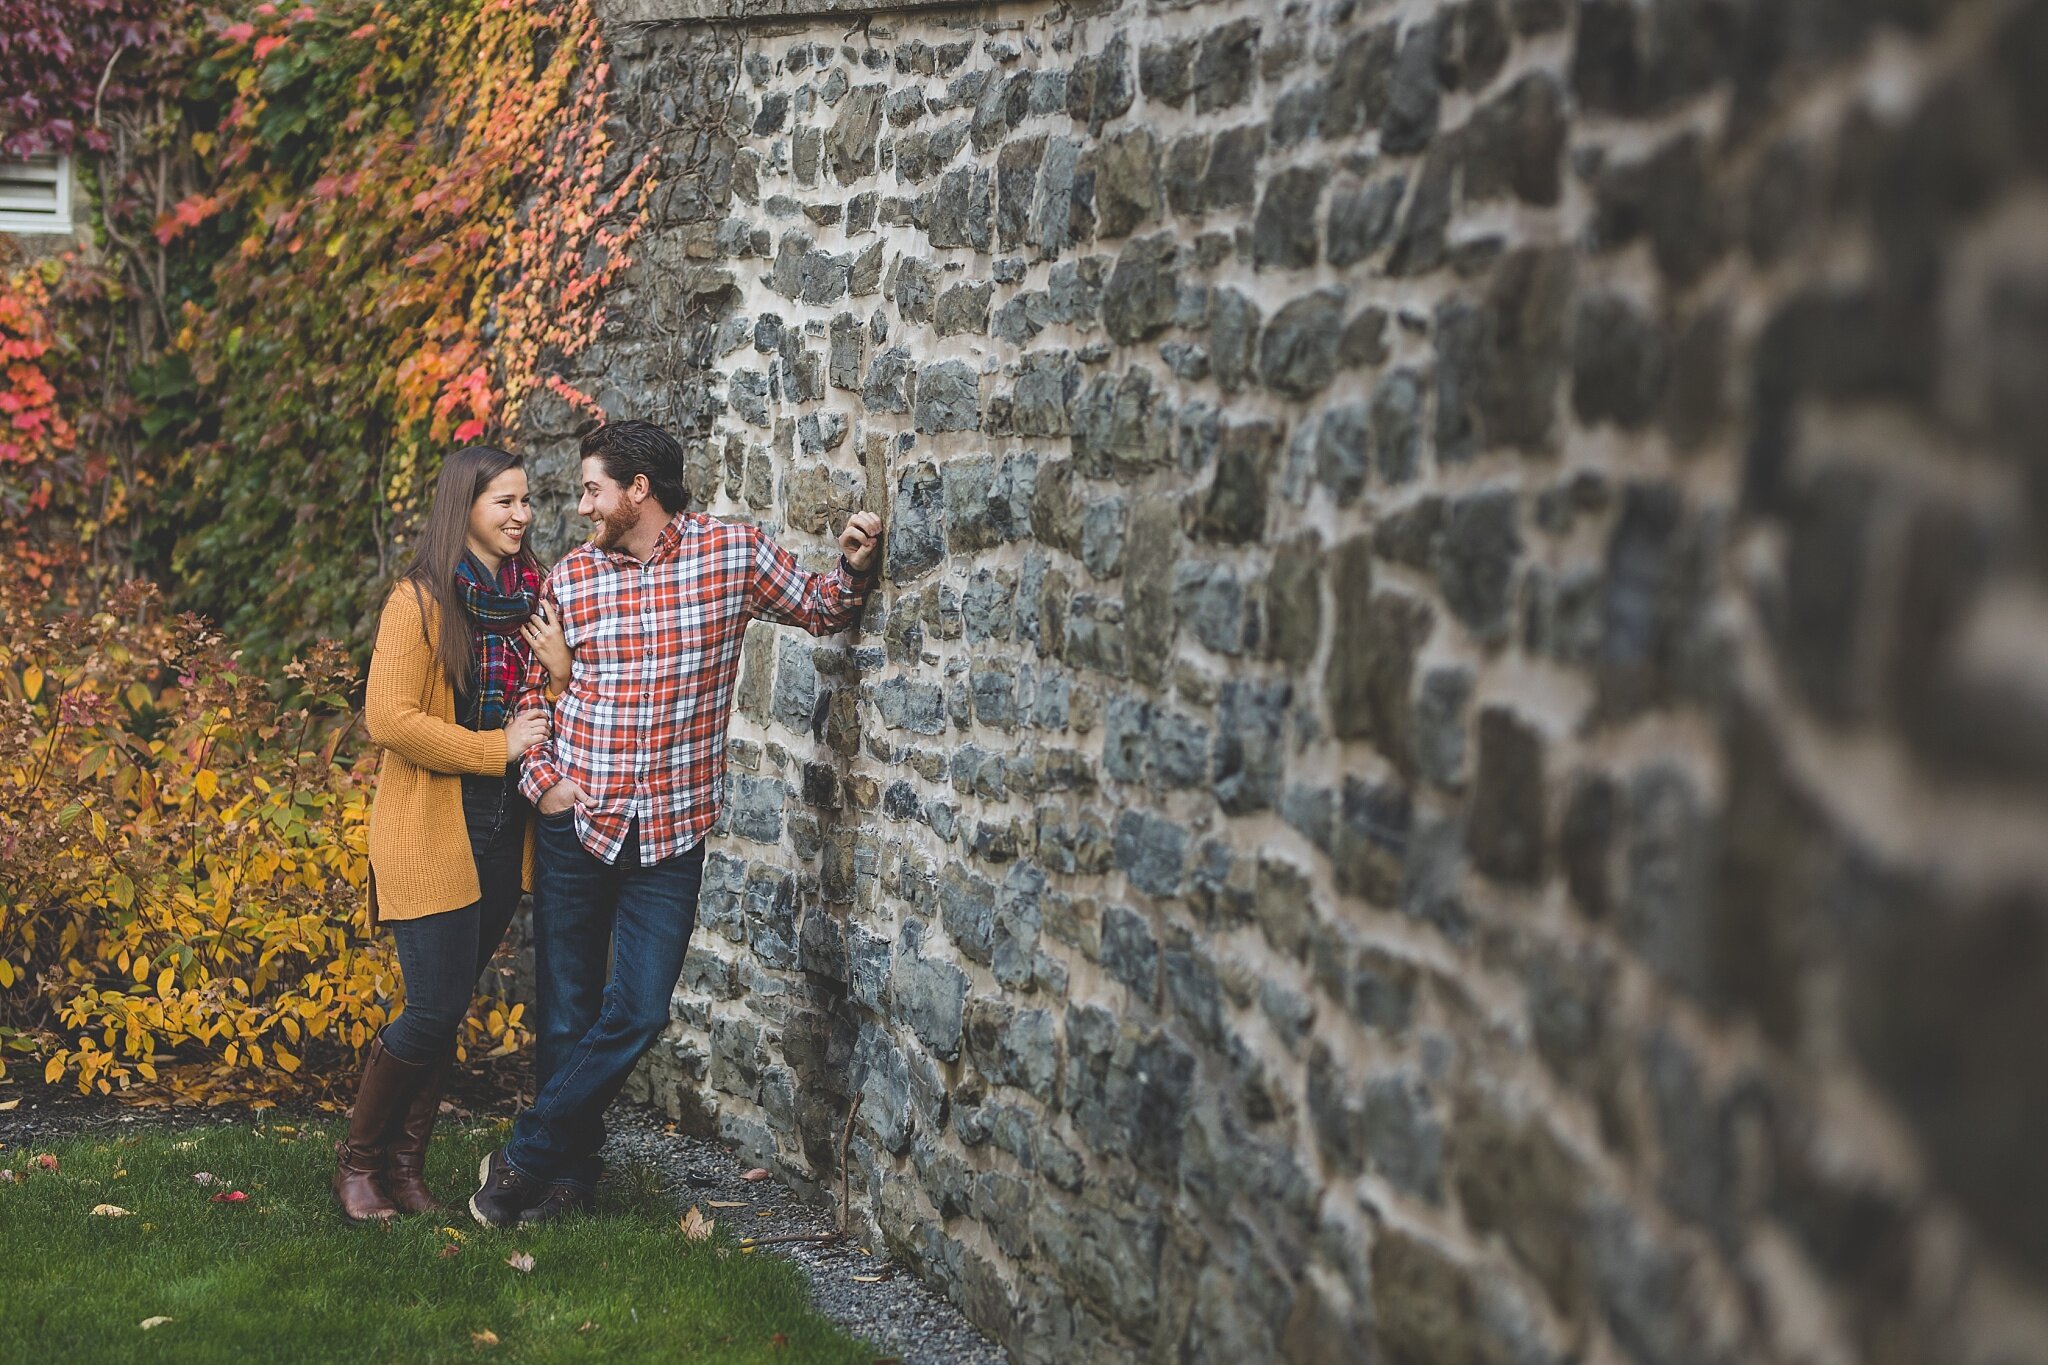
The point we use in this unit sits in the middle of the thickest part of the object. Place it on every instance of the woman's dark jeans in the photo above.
(442, 955)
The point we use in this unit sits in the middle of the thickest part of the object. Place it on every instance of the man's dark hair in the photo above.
(629, 448)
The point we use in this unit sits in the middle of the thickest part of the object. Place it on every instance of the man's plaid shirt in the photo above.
(657, 645)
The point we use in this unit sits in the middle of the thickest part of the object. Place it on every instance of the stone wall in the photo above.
(1452, 764)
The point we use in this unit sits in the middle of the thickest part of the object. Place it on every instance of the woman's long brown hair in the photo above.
(464, 476)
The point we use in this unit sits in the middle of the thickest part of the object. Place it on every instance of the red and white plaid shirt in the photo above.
(642, 727)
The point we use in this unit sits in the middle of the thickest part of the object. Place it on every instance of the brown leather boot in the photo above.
(359, 1159)
(405, 1158)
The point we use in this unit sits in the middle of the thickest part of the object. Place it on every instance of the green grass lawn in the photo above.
(280, 1276)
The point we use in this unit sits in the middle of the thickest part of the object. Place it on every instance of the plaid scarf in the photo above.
(497, 609)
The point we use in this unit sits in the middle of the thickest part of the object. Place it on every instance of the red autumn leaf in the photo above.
(239, 33)
(47, 1162)
(186, 213)
(267, 45)
(229, 1197)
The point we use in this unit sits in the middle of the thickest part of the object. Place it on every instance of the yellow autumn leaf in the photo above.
(284, 1059)
(6, 973)
(31, 682)
(206, 783)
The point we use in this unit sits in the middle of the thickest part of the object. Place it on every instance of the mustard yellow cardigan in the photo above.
(420, 862)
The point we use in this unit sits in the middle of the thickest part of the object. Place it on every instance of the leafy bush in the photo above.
(183, 866)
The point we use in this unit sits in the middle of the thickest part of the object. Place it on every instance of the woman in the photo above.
(451, 842)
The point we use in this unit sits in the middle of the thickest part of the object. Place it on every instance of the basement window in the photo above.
(35, 194)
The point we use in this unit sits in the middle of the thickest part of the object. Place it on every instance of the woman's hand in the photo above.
(525, 729)
(543, 632)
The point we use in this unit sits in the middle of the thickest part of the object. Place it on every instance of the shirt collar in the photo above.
(671, 538)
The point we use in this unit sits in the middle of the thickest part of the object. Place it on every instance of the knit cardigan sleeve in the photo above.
(401, 668)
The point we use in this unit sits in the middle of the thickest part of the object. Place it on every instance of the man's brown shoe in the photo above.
(503, 1193)
(562, 1200)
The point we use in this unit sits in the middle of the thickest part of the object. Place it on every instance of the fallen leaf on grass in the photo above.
(47, 1162)
(696, 1226)
(8, 1177)
(727, 1203)
(450, 1249)
(454, 1233)
(111, 1211)
(779, 1342)
(588, 1326)
(205, 1177)
(484, 1339)
(148, 1323)
(228, 1197)
(758, 1173)
(520, 1262)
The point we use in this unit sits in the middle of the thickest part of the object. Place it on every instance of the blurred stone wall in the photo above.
(1451, 764)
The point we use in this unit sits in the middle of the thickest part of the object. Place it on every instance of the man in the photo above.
(655, 606)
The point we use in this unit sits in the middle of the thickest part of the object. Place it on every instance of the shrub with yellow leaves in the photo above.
(183, 861)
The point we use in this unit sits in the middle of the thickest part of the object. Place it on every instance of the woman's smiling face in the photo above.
(499, 518)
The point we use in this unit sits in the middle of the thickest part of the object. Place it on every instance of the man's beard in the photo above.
(613, 530)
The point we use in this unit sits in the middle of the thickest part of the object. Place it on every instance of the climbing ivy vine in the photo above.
(335, 240)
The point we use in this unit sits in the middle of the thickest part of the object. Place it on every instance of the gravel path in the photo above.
(896, 1312)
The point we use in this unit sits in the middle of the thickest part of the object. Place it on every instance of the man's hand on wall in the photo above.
(857, 542)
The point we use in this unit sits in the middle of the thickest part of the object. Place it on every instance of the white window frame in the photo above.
(21, 213)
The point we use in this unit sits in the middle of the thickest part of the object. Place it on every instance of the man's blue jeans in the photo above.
(608, 945)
